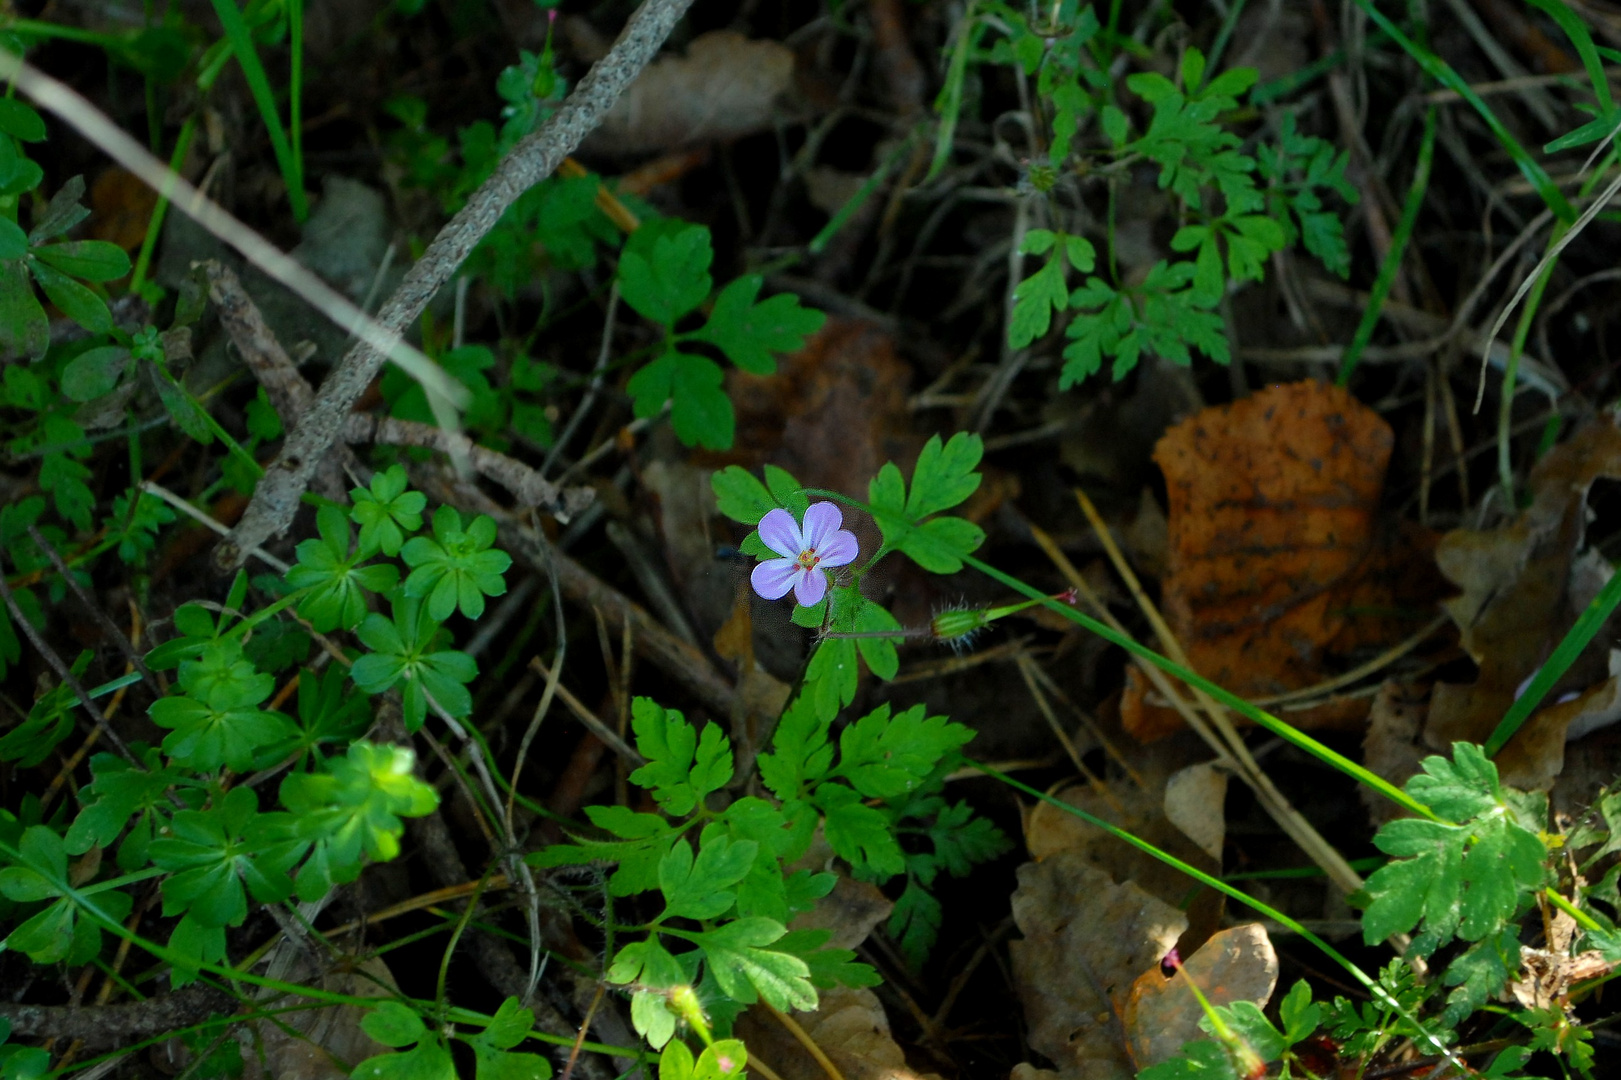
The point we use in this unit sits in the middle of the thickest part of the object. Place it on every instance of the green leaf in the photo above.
(681, 768)
(387, 512)
(76, 302)
(1460, 789)
(664, 273)
(24, 329)
(393, 1024)
(749, 332)
(211, 853)
(700, 412)
(1299, 1015)
(13, 241)
(94, 372)
(403, 649)
(939, 544)
(740, 496)
(744, 969)
(702, 888)
(429, 1060)
(830, 678)
(20, 121)
(62, 213)
(885, 757)
(91, 260)
(944, 475)
(330, 570)
(879, 653)
(915, 922)
(458, 567)
(857, 833)
(353, 811)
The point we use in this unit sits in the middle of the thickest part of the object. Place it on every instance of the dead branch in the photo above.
(276, 499)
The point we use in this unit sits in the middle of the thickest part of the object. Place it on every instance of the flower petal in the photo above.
(840, 549)
(773, 578)
(781, 534)
(810, 588)
(822, 520)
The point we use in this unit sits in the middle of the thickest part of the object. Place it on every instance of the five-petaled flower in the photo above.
(807, 550)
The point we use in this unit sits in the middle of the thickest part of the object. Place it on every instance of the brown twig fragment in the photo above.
(276, 499)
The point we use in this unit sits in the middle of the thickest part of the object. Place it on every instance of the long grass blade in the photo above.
(241, 39)
(1398, 248)
(1442, 72)
(1564, 654)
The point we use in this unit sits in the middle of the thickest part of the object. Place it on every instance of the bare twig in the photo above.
(108, 627)
(289, 392)
(112, 1025)
(64, 672)
(276, 498)
(112, 140)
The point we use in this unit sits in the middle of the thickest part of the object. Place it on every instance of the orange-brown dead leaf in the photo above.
(120, 208)
(1274, 552)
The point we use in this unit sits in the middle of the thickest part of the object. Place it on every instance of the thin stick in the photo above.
(203, 519)
(276, 499)
(63, 671)
(1288, 818)
(108, 627)
(806, 1041)
(608, 735)
(57, 97)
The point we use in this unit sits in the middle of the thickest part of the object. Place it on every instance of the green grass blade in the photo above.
(949, 103)
(1576, 31)
(1284, 731)
(160, 210)
(855, 202)
(1564, 654)
(295, 90)
(1442, 72)
(1398, 248)
(241, 39)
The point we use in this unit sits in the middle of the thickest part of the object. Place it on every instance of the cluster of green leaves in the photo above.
(171, 811)
(724, 878)
(1468, 876)
(1237, 208)
(911, 523)
(422, 1053)
(664, 276)
(1460, 881)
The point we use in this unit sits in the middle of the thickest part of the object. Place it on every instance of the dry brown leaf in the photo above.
(1546, 974)
(1271, 518)
(319, 1039)
(1085, 940)
(1523, 586)
(1196, 803)
(120, 208)
(1238, 964)
(724, 88)
(1392, 747)
(850, 1027)
(1139, 810)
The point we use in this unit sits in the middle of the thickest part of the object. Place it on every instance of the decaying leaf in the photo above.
(1393, 746)
(1086, 939)
(1141, 811)
(1523, 586)
(1546, 974)
(1238, 964)
(850, 1027)
(725, 87)
(1272, 520)
(1195, 802)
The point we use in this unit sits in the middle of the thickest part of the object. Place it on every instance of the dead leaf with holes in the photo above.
(1547, 974)
(1272, 537)
(724, 88)
(1086, 940)
(1162, 1013)
(1523, 584)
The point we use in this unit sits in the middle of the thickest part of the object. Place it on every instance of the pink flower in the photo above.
(819, 544)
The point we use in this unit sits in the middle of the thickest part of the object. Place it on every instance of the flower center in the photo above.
(808, 559)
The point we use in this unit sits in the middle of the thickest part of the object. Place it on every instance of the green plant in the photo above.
(1236, 207)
